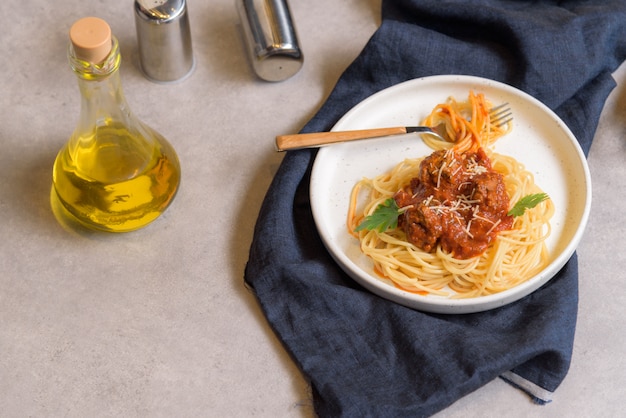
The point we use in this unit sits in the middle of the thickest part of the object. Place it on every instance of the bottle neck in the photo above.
(102, 97)
(89, 71)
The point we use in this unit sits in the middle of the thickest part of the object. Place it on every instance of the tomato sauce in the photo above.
(457, 201)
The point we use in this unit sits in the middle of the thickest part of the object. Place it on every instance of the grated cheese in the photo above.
(494, 226)
(467, 229)
(439, 175)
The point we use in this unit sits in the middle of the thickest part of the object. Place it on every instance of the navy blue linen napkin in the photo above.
(369, 357)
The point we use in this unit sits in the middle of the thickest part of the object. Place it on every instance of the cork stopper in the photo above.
(91, 39)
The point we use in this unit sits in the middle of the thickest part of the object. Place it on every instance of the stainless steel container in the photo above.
(271, 38)
(164, 39)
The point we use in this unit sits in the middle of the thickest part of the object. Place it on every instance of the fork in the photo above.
(499, 115)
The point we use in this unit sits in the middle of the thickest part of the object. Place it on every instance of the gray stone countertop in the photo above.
(157, 322)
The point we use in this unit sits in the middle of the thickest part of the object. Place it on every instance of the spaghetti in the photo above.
(454, 236)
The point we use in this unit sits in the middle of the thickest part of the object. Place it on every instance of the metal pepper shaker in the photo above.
(164, 39)
(271, 38)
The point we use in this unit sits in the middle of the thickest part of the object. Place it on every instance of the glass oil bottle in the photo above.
(115, 173)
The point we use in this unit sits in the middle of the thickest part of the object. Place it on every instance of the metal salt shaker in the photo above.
(271, 38)
(164, 39)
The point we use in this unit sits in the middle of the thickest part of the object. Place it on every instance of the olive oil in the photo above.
(115, 173)
(106, 184)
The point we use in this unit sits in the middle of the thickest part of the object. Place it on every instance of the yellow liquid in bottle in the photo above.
(116, 180)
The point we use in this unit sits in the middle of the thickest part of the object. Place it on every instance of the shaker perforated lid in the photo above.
(164, 39)
(91, 39)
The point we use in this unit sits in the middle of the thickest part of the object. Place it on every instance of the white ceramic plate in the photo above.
(539, 139)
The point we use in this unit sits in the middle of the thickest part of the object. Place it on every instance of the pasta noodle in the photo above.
(516, 253)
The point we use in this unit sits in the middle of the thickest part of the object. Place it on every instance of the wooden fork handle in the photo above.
(316, 139)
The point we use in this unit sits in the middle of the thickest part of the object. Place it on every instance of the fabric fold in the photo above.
(369, 357)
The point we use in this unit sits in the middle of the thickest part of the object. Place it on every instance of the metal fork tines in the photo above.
(501, 114)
